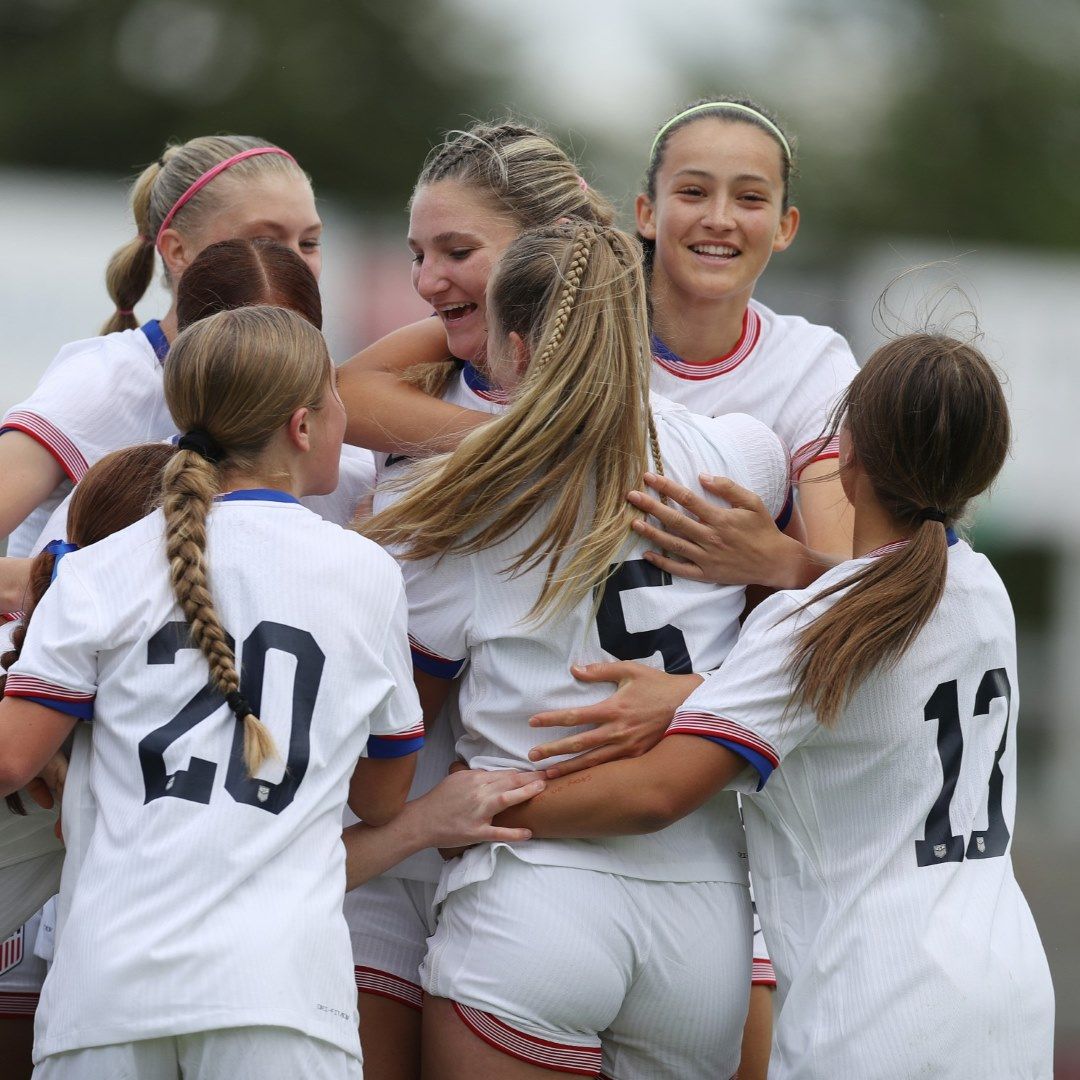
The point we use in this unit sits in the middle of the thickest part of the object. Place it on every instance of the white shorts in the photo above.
(390, 920)
(580, 972)
(245, 1053)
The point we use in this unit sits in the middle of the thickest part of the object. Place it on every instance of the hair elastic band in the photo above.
(209, 175)
(58, 549)
(240, 708)
(931, 513)
(731, 105)
(125, 311)
(202, 443)
(583, 183)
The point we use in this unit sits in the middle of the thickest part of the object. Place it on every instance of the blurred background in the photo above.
(941, 135)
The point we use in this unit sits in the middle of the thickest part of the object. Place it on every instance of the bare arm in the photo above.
(625, 798)
(757, 1035)
(28, 475)
(379, 787)
(14, 579)
(388, 415)
(455, 813)
(829, 517)
(30, 735)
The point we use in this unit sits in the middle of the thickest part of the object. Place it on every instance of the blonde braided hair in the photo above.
(235, 377)
(573, 439)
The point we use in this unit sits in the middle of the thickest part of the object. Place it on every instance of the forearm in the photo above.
(14, 579)
(371, 850)
(799, 566)
(388, 415)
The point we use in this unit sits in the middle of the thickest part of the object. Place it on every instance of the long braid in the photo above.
(190, 483)
(575, 271)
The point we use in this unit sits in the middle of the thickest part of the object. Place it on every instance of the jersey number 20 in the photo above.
(196, 782)
(940, 845)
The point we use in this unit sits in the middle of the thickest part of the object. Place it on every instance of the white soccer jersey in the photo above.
(470, 390)
(97, 395)
(785, 371)
(208, 899)
(21, 970)
(902, 944)
(466, 608)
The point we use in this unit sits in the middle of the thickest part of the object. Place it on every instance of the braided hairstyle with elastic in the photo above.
(575, 434)
(232, 381)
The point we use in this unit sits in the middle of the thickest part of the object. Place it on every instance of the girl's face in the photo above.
(455, 238)
(718, 213)
(278, 207)
(326, 432)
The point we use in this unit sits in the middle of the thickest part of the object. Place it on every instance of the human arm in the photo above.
(828, 517)
(627, 724)
(29, 473)
(14, 579)
(629, 797)
(30, 735)
(379, 787)
(455, 813)
(388, 415)
(735, 545)
(757, 1035)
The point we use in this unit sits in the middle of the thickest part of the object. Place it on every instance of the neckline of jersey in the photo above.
(719, 365)
(895, 545)
(256, 495)
(156, 336)
(478, 384)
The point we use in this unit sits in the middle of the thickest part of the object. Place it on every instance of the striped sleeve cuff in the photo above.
(763, 973)
(815, 450)
(431, 663)
(72, 702)
(397, 745)
(67, 454)
(739, 740)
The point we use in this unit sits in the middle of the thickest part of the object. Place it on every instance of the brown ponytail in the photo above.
(929, 427)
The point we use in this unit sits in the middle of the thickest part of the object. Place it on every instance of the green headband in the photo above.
(731, 105)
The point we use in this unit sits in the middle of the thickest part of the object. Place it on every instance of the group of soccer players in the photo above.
(552, 503)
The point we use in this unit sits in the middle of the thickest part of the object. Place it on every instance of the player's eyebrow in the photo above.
(742, 178)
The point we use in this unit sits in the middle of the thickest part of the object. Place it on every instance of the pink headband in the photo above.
(209, 175)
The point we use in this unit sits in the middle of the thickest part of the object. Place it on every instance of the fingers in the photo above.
(675, 566)
(614, 671)
(578, 743)
(685, 549)
(519, 794)
(583, 761)
(693, 502)
(496, 834)
(731, 492)
(674, 519)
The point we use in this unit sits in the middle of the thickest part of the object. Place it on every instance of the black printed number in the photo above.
(616, 639)
(940, 844)
(196, 782)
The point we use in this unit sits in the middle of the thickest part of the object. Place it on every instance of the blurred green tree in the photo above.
(357, 89)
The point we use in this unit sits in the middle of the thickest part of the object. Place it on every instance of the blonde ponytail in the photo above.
(575, 433)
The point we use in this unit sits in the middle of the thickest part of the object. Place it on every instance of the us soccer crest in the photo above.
(11, 951)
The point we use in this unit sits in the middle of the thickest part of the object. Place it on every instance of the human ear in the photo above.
(786, 230)
(298, 429)
(520, 351)
(645, 215)
(177, 252)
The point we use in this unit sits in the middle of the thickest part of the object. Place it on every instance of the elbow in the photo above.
(658, 808)
(15, 773)
(378, 811)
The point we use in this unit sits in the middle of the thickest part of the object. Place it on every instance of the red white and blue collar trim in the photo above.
(887, 549)
(479, 385)
(156, 336)
(710, 369)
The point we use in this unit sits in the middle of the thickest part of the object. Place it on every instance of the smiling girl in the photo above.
(104, 393)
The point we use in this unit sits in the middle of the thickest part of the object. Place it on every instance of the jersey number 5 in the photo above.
(196, 782)
(625, 644)
(940, 845)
